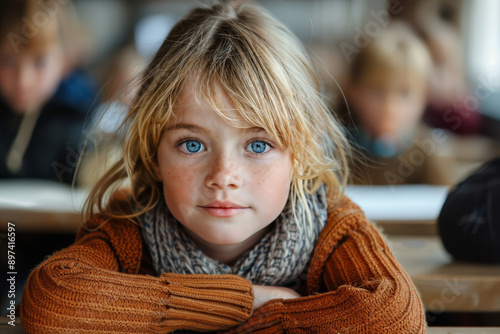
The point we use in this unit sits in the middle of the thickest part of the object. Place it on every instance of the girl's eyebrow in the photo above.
(186, 126)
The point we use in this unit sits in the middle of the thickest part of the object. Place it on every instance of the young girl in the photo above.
(235, 219)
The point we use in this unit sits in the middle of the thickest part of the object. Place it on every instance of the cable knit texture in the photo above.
(280, 256)
(99, 285)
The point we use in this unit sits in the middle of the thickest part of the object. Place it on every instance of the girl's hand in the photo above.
(263, 294)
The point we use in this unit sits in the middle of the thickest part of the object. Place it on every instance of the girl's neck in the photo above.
(227, 254)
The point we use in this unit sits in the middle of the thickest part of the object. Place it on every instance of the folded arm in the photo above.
(355, 285)
(89, 287)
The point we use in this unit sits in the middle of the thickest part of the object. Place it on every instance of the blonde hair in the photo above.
(265, 72)
(396, 49)
(32, 24)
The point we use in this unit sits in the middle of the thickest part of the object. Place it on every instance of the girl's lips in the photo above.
(223, 209)
(223, 212)
(225, 205)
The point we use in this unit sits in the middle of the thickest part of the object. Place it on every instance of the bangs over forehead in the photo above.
(258, 64)
(251, 76)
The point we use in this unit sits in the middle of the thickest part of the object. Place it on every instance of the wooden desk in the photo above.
(408, 227)
(5, 328)
(444, 284)
(401, 209)
(37, 205)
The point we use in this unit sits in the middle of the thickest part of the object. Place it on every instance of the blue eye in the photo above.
(258, 147)
(192, 146)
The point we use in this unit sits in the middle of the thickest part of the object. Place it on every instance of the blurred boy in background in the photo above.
(440, 25)
(386, 90)
(43, 100)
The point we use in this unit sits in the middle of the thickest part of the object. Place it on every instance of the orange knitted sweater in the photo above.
(100, 285)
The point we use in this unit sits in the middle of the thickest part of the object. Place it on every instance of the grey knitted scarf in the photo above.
(278, 258)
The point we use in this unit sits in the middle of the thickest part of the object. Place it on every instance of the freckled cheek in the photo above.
(180, 186)
(272, 183)
(178, 176)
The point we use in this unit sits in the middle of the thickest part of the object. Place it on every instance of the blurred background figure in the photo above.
(386, 89)
(440, 23)
(469, 221)
(44, 97)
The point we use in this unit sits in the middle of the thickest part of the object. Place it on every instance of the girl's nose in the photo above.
(223, 173)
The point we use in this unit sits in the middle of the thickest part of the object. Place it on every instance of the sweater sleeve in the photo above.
(93, 286)
(355, 285)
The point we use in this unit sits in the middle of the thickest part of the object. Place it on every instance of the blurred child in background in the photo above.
(440, 25)
(44, 101)
(386, 91)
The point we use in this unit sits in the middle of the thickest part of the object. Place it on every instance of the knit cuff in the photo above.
(211, 302)
(268, 319)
